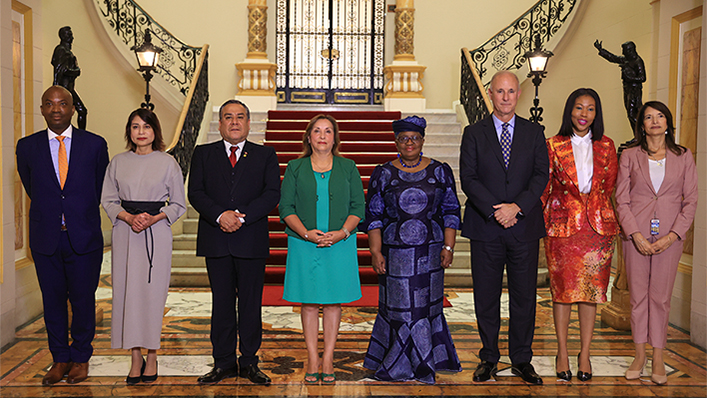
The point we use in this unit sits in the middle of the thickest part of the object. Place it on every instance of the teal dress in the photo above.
(322, 275)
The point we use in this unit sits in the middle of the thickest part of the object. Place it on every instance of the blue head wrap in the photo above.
(410, 123)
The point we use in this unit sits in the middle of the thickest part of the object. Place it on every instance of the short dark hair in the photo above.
(233, 101)
(670, 133)
(150, 118)
(307, 146)
(597, 126)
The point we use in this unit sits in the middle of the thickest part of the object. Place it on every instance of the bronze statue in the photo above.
(633, 74)
(66, 70)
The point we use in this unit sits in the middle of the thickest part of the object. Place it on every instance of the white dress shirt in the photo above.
(583, 161)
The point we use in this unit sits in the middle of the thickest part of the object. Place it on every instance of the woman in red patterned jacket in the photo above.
(580, 222)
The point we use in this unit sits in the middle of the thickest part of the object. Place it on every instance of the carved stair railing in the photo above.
(182, 66)
(506, 51)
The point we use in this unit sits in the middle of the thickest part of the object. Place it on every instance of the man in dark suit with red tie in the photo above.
(234, 184)
(504, 169)
(62, 169)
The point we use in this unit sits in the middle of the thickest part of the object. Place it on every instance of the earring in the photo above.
(666, 132)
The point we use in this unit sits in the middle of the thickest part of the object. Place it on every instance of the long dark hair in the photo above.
(670, 134)
(150, 118)
(307, 146)
(597, 127)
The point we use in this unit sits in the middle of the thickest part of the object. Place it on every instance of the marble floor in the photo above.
(186, 350)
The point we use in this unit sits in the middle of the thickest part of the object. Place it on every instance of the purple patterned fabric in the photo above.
(410, 338)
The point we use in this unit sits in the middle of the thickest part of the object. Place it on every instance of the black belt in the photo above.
(153, 209)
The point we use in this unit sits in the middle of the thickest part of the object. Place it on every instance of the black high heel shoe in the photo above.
(584, 376)
(131, 381)
(565, 375)
(150, 379)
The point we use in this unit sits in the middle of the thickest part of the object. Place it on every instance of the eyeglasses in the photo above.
(416, 139)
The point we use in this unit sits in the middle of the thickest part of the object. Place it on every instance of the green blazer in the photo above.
(298, 194)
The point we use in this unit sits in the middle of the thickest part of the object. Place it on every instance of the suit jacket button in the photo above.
(62, 196)
(566, 192)
(606, 167)
(602, 191)
(602, 180)
(564, 182)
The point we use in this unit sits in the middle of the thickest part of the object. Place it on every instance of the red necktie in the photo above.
(233, 157)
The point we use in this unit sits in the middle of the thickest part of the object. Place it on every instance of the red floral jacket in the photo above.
(562, 205)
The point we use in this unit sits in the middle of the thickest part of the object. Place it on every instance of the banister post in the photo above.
(403, 89)
(256, 74)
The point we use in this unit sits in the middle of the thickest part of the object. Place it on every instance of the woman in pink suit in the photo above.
(656, 195)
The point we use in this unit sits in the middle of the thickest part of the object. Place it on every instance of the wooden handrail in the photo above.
(477, 78)
(190, 95)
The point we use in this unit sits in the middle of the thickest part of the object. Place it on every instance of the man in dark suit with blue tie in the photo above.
(504, 169)
(234, 184)
(62, 169)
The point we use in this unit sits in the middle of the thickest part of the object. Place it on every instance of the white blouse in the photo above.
(657, 171)
(583, 161)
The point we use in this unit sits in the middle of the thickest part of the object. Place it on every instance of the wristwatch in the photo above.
(520, 215)
(448, 248)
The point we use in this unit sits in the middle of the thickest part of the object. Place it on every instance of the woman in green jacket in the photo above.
(322, 203)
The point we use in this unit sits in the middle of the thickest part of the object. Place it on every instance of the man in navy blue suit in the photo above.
(504, 169)
(234, 184)
(62, 169)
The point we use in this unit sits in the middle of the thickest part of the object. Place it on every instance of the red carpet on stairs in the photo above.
(272, 296)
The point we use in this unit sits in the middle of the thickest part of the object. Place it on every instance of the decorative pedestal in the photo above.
(256, 84)
(403, 92)
(618, 313)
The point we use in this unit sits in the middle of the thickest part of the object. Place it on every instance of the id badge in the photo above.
(655, 226)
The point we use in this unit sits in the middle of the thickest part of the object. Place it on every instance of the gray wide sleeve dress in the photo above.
(138, 306)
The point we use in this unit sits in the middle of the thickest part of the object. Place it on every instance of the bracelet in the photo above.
(346, 232)
(448, 248)
(306, 237)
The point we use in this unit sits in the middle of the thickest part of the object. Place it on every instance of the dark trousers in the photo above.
(68, 275)
(236, 281)
(487, 263)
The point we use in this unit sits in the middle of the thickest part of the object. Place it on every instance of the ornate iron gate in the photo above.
(330, 51)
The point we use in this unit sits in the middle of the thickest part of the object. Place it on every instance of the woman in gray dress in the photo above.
(143, 194)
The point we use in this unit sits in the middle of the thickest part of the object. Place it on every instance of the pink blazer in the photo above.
(637, 202)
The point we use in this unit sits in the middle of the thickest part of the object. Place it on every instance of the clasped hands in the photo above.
(505, 214)
(648, 249)
(140, 222)
(324, 239)
(230, 221)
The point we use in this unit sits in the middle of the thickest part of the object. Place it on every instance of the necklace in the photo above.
(660, 162)
(410, 167)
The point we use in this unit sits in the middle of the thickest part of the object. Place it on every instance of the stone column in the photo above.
(256, 85)
(403, 89)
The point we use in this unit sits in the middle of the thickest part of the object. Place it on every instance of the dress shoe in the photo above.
(485, 371)
(526, 371)
(565, 375)
(218, 374)
(56, 373)
(635, 374)
(78, 373)
(131, 381)
(659, 379)
(255, 375)
(583, 376)
(152, 378)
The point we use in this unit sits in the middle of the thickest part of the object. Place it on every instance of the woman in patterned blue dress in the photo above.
(412, 216)
(322, 203)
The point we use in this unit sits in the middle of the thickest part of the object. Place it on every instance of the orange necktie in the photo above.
(63, 163)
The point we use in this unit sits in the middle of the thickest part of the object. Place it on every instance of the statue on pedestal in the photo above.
(633, 74)
(66, 70)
